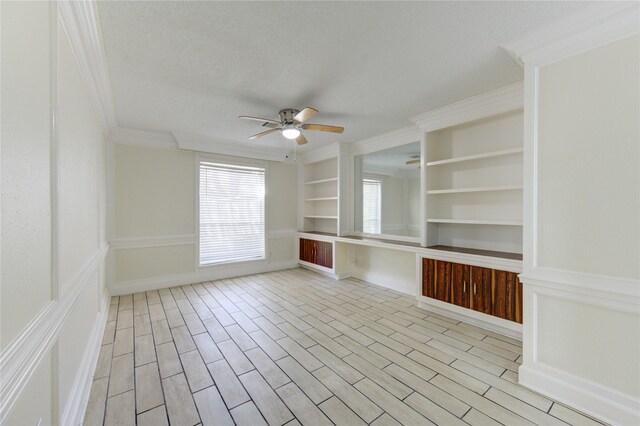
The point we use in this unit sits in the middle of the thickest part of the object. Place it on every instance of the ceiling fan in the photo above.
(291, 124)
(415, 159)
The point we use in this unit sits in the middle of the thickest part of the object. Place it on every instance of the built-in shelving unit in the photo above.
(477, 222)
(476, 157)
(473, 191)
(320, 195)
(481, 189)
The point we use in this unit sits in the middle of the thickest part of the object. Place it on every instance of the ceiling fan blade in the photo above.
(323, 128)
(301, 139)
(305, 114)
(265, 133)
(266, 120)
(410, 162)
(271, 125)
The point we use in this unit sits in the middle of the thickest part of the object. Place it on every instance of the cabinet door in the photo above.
(504, 295)
(324, 254)
(429, 278)
(305, 250)
(481, 289)
(461, 285)
(443, 281)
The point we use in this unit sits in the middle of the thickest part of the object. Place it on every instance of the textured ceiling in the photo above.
(193, 67)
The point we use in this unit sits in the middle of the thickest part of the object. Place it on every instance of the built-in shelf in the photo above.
(320, 217)
(314, 182)
(321, 199)
(476, 156)
(481, 189)
(477, 222)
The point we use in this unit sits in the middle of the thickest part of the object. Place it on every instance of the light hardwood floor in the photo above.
(293, 347)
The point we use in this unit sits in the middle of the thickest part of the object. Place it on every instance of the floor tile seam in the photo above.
(427, 396)
(505, 392)
(517, 414)
(483, 397)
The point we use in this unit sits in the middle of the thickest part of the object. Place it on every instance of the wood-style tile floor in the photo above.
(293, 347)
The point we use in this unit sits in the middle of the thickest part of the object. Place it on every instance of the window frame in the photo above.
(379, 180)
(231, 161)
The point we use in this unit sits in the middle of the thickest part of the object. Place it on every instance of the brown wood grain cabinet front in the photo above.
(490, 291)
(316, 252)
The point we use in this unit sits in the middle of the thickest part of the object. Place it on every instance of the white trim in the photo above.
(327, 272)
(21, 358)
(229, 147)
(585, 395)
(488, 322)
(203, 274)
(158, 241)
(144, 138)
(386, 140)
(610, 292)
(587, 28)
(499, 101)
(78, 399)
(389, 237)
(82, 26)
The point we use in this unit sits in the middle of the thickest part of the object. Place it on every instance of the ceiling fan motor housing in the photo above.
(286, 115)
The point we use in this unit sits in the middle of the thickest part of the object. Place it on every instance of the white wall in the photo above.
(589, 147)
(155, 220)
(53, 288)
(388, 268)
(581, 300)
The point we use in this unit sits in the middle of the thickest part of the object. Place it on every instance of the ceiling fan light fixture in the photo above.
(290, 132)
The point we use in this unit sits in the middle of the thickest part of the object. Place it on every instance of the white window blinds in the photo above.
(371, 198)
(231, 213)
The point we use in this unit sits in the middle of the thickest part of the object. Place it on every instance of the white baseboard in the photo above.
(327, 272)
(488, 322)
(585, 395)
(76, 405)
(155, 283)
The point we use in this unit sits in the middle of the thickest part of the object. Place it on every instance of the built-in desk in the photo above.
(344, 266)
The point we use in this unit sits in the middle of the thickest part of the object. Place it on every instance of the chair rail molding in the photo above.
(156, 241)
(82, 26)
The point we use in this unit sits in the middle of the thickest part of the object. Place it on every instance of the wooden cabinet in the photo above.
(429, 277)
(481, 279)
(461, 285)
(507, 294)
(316, 252)
(490, 291)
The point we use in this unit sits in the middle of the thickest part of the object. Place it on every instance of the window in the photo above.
(231, 213)
(371, 197)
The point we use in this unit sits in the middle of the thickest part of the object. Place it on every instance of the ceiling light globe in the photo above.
(290, 133)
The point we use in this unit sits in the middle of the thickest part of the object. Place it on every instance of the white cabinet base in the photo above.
(488, 322)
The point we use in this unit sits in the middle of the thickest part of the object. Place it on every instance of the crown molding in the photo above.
(145, 138)
(504, 99)
(81, 24)
(386, 140)
(588, 27)
(229, 147)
